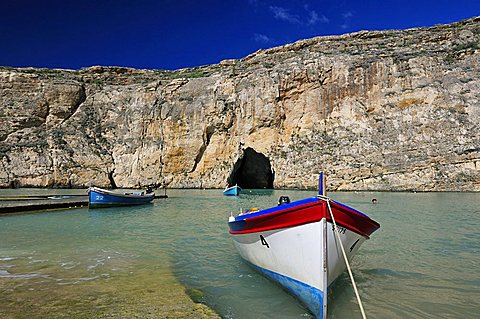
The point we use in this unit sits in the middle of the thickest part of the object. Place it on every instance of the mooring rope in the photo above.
(326, 199)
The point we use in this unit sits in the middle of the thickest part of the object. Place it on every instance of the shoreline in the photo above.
(221, 189)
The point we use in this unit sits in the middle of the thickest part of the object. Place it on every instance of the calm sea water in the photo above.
(424, 262)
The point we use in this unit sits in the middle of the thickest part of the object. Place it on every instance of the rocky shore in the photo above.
(379, 110)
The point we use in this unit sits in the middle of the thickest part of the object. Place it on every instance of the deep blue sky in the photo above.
(172, 34)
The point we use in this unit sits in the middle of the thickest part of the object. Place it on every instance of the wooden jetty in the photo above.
(42, 205)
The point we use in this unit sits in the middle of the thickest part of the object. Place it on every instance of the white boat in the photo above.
(296, 245)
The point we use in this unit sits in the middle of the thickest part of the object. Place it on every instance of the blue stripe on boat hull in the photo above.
(111, 204)
(308, 295)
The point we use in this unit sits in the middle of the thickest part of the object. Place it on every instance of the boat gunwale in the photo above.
(232, 187)
(115, 194)
(277, 211)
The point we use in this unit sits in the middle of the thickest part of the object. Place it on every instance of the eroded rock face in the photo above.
(391, 110)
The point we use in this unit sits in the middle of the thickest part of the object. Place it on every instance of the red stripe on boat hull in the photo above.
(308, 213)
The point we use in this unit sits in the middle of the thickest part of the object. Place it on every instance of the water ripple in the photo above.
(6, 274)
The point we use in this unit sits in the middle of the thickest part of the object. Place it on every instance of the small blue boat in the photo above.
(98, 197)
(232, 191)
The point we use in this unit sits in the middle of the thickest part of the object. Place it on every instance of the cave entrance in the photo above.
(252, 170)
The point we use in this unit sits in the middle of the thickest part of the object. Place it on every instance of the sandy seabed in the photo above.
(149, 293)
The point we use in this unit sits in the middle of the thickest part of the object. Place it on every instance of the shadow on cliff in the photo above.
(252, 171)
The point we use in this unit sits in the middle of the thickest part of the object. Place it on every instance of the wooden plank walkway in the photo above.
(43, 205)
(34, 197)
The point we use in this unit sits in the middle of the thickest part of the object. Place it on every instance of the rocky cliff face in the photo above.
(390, 110)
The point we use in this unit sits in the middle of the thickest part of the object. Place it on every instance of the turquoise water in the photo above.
(424, 262)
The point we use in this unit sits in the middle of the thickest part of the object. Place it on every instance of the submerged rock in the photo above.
(195, 294)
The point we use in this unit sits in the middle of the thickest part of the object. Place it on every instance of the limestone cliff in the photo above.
(389, 110)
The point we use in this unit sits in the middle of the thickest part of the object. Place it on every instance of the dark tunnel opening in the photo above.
(252, 170)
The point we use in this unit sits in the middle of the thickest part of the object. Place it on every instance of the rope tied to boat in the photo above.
(360, 305)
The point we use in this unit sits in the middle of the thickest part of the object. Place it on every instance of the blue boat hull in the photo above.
(232, 191)
(310, 296)
(101, 198)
